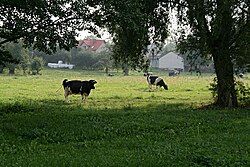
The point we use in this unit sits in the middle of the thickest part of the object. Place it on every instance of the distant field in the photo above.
(122, 123)
(128, 90)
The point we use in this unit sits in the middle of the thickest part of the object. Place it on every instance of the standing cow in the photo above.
(78, 87)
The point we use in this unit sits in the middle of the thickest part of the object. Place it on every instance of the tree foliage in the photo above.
(220, 29)
(37, 64)
(134, 24)
(44, 24)
(25, 59)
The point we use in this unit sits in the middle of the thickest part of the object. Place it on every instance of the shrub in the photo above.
(37, 64)
(242, 89)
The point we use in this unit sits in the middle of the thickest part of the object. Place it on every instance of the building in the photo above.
(171, 61)
(94, 45)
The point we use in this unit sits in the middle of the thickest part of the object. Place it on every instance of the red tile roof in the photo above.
(91, 44)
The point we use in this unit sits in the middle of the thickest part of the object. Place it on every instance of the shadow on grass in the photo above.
(55, 121)
(115, 105)
(163, 133)
(176, 131)
(27, 105)
(48, 105)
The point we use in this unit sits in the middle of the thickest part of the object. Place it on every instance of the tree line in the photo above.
(23, 59)
(31, 61)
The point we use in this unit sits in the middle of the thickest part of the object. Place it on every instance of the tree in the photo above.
(5, 56)
(44, 24)
(15, 49)
(196, 62)
(170, 47)
(83, 59)
(25, 61)
(104, 60)
(37, 64)
(134, 24)
(221, 29)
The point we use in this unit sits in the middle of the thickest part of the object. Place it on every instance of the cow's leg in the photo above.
(84, 98)
(66, 94)
(150, 86)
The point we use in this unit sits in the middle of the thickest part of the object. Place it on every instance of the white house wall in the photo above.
(171, 61)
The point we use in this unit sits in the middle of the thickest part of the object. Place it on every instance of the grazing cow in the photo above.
(157, 81)
(173, 73)
(78, 87)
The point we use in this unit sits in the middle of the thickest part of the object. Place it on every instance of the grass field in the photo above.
(122, 123)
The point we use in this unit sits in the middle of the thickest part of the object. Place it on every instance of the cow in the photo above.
(78, 87)
(157, 81)
(173, 73)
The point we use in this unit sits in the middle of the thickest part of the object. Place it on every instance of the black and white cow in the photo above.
(157, 81)
(78, 87)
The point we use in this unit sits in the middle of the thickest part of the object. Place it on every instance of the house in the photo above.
(171, 61)
(60, 65)
(94, 45)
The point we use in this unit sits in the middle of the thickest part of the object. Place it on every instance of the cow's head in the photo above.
(92, 84)
(147, 74)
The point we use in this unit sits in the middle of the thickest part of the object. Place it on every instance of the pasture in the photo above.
(122, 123)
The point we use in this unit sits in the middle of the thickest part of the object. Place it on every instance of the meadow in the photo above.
(121, 124)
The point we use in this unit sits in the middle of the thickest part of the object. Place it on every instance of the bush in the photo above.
(37, 64)
(242, 89)
(243, 92)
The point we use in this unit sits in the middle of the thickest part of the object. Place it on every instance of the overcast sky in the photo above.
(106, 36)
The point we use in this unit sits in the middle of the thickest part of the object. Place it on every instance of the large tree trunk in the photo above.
(227, 96)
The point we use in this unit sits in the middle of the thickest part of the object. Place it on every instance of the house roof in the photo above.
(172, 54)
(171, 61)
(92, 44)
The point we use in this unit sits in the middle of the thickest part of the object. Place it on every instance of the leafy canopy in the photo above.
(134, 24)
(216, 25)
(42, 23)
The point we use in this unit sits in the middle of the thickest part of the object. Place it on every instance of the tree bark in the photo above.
(227, 96)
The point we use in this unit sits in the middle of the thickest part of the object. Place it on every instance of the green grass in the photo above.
(122, 123)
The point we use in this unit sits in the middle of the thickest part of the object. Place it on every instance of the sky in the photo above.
(106, 36)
